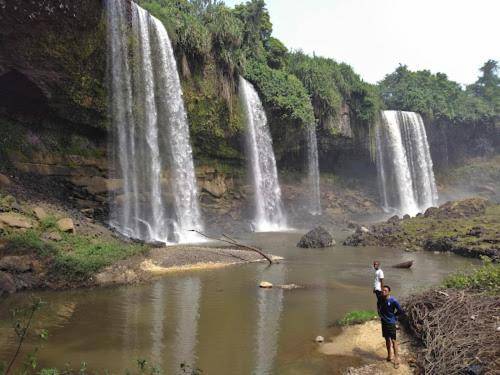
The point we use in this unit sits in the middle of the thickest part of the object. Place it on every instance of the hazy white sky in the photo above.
(451, 36)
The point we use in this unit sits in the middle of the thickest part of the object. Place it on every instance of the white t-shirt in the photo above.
(379, 274)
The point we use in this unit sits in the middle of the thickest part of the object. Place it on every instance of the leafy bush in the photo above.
(357, 317)
(485, 278)
(281, 92)
(331, 84)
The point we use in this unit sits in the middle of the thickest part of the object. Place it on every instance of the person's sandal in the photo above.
(388, 359)
(396, 365)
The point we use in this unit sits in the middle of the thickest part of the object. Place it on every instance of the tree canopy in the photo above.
(435, 96)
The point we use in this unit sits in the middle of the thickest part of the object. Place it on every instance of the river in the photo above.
(219, 320)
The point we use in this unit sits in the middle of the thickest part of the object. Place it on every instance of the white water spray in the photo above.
(150, 148)
(269, 213)
(404, 163)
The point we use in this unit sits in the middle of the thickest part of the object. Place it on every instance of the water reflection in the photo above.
(129, 328)
(268, 327)
(157, 322)
(187, 315)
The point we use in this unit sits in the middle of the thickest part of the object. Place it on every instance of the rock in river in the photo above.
(318, 237)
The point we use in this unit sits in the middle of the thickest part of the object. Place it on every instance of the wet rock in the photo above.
(316, 238)
(52, 236)
(216, 186)
(40, 213)
(406, 217)
(15, 220)
(363, 229)
(4, 181)
(476, 231)
(439, 244)
(17, 264)
(265, 284)
(352, 225)
(7, 284)
(66, 225)
(393, 219)
(431, 211)
(8, 203)
(98, 185)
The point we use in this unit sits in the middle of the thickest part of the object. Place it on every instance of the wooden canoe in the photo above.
(407, 264)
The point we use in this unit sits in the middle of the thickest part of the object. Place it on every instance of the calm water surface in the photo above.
(219, 320)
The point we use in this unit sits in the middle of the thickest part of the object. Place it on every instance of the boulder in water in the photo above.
(318, 237)
(265, 284)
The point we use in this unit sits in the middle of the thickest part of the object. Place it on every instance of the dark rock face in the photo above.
(53, 61)
(439, 244)
(7, 284)
(318, 237)
(17, 264)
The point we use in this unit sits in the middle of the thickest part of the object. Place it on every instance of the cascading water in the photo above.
(269, 215)
(404, 163)
(313, 171)
(150, 145)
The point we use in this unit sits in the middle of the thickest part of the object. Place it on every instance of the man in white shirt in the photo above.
(378, 283)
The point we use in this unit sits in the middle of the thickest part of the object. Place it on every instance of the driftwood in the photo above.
(457, 330)
(234, 242)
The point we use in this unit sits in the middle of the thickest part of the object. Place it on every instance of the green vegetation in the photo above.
(214, 44)
(357, 317)
(330, 85)
(435, 96)
(281, 92)
(485, 278)
(76, 257)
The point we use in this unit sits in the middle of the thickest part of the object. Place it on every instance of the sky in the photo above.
(454, 37)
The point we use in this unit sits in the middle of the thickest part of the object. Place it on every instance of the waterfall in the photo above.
(150, 148)
(404, 163)
(269, 215)
(313, 171)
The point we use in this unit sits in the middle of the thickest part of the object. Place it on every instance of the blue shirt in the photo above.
(389, 309)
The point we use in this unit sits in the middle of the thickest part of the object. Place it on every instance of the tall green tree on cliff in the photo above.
(488, 85)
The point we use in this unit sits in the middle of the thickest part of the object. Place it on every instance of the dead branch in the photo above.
(234, 242)
(457, 330)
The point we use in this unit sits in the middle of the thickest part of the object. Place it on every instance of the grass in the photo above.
(357, 317)
(485, 278)
(76, 257)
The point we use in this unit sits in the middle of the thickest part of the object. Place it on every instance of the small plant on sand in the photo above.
(357, 317)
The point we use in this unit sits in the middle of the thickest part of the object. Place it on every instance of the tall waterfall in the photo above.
(150, 148)
(404, 163)
(269, 213)
(313, 171)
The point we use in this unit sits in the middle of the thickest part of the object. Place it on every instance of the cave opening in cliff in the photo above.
(18, 94)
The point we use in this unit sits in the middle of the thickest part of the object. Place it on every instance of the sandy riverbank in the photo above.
(365, 341)
(160, 261)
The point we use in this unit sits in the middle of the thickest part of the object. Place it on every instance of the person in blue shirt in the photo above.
(389, 310)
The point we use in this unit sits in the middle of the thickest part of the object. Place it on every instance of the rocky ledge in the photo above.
(468, 227)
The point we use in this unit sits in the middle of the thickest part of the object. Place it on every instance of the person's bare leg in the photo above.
(396, 353)
(388, 346)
